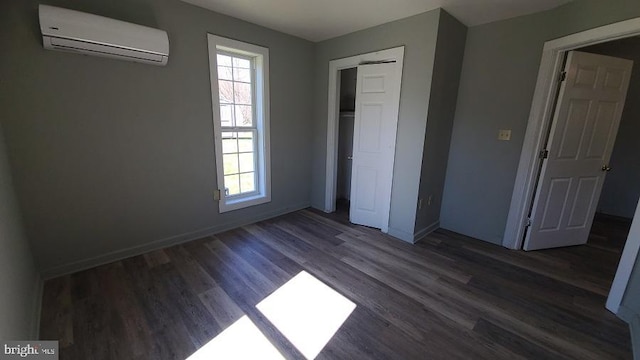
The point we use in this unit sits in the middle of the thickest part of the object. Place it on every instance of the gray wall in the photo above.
(499, 71)
(621, 188)
(442, 107)
(112, 158)
(19, 280)
(418, 34)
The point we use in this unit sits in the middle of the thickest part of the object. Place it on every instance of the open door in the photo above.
(374, 143)
(583, 131)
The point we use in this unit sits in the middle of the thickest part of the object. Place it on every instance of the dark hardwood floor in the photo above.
(447, 297)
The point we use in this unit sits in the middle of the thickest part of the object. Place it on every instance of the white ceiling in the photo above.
(318, 20)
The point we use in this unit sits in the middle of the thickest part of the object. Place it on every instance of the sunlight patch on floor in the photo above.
(242, 340)
(307, 312)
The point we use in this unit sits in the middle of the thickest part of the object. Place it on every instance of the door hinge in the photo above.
(563, 76)
(216, 195)
(528, 222)
(543, 154)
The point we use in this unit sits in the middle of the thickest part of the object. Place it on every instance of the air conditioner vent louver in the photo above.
(74, 31)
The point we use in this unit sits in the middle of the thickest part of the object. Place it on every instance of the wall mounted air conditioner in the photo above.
(75, 31)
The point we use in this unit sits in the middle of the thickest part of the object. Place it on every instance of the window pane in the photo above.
(245, 142)
(242, 75)
(242, 93)
(224, 60)
(244, 115)
(229, 142)
(247, 182)
(241, 63)
(226, 115)
(232, 185)
(230, 162)
(225, 88)
(224, 73)
(246, 162)
(239, 160)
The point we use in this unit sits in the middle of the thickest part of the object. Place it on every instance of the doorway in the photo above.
(621, 190)
(575, 159)
(347, 105)
(366, 162)
(540, 121)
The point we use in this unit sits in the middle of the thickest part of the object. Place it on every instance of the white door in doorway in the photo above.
(374, 143)
(583, 131)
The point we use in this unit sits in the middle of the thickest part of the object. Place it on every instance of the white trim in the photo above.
(524, 187)
(75, 266)
(401, 234)
(626, 264)
(261, 57)
(539, 120)
(419, 235)
(540, 117)
(395, 54)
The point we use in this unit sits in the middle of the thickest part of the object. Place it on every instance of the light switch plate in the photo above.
(504, 135)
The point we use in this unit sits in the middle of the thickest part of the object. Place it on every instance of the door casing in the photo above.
(576, 151)
(333, 111)
(538, 124)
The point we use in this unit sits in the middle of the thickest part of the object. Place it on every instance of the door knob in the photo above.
(350, 157)
(606, 168)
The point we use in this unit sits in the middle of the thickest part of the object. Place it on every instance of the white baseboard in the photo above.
(162, 243)
(401, 234)
(634, 327)
(38, 289)
(419, 235)
(413, 238)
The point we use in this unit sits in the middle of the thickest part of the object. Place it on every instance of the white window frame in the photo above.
(260, 57)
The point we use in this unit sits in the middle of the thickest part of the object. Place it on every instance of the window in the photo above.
(240, 97)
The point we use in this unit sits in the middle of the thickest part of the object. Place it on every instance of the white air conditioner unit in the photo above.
(75, 31)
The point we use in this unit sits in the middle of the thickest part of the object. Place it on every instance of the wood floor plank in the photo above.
(415, 287)
(446, 297)
(280, 240)
(92, 333)
(155, 258)
(538, 329)
(259, 257)
(405, 313)
(224, 310)
(561, 321)
(127, 317)
(232, 275)
(169, 335)
(198, 279)
(253, 277)
(189, 310)
(57, 318)
(519, 345)
(148, 289)
(404, 262)
(365, 336)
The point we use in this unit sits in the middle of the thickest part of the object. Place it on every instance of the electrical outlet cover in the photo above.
(504, 135)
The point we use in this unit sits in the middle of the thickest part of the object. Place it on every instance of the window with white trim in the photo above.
(240, 97)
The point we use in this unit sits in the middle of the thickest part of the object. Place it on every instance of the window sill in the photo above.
(241, 203)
